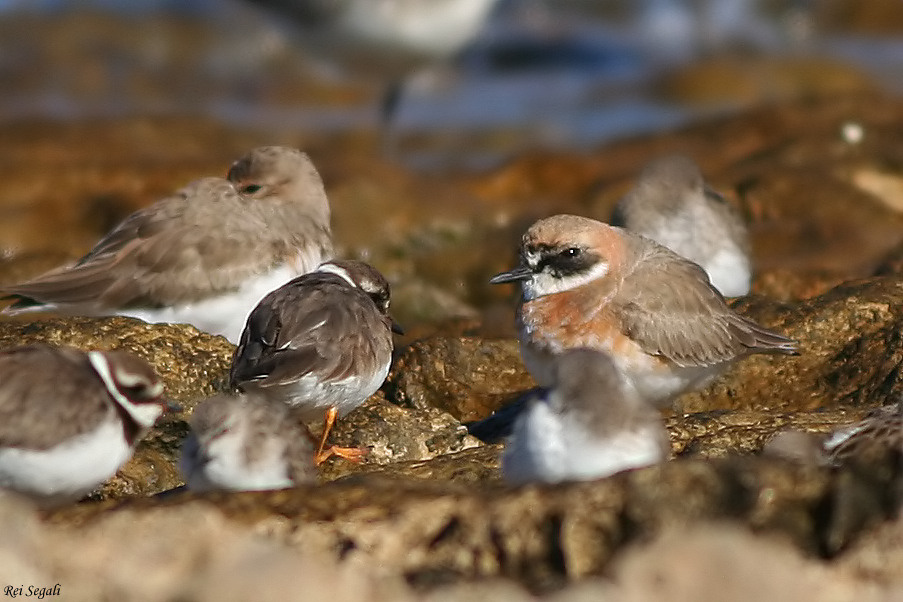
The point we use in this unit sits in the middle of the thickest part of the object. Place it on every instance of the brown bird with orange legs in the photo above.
(322, 343)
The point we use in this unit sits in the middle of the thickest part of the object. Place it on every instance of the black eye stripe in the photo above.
(566, 262)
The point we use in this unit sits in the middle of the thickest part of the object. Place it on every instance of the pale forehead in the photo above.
(269, 159)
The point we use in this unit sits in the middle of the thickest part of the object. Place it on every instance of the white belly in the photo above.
(223, 315)
(730, 272)
(536, 451)
(660, 387)
(69, 471)
(546, 448)
(310, 398)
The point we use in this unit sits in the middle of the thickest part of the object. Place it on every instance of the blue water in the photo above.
(560, 74)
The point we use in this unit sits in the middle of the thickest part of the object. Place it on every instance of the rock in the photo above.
(719, 434)
(145, 555)
(392, 434)
(720, 562)
(850, 354)
(433, 532)
(469, 377)
(475, 465)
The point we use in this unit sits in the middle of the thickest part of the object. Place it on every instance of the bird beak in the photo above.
(171, 408)
(515, 275)
(396, 328)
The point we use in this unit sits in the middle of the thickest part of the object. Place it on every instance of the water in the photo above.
(560, 74)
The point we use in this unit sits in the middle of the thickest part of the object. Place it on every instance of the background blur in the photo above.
(559, 74)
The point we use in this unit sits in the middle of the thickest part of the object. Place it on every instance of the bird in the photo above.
(393, 35)
(385, 41)
(588, 284)
(588, 425)
(69, 418)
(321, 344)
(672, 204)
(881, 429)
(204, 255)
(245, 443)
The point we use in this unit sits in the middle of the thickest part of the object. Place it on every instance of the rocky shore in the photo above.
(425, 517)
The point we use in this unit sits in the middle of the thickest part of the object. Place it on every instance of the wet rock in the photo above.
(850, 354)
(433, 531)
(468, 377)
(750, 81)
(392, 434)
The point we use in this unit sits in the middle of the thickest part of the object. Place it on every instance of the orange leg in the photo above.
(352, 454)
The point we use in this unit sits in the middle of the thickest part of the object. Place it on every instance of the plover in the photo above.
(672, 204)
(203, 256)
(69, 419)
(245, 443)
(588, 284)
(321, 344)
(589, 424)
(882, 428)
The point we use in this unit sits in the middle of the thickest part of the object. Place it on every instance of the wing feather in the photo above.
(314, 325)
(685, 319)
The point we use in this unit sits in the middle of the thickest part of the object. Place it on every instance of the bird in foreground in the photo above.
(588, 425)
(69, 419)
(321, 344)
(245, 443)
(672, 204)
(588, 284)
(881, 429)
(202, 256)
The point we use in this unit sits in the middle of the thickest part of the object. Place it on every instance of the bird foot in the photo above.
(352, 454)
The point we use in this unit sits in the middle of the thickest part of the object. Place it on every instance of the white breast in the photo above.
(536, 450)
(591, 457)
(312, 397)
(729, 271)
(70, 470)
(225, 314)
(547, 448)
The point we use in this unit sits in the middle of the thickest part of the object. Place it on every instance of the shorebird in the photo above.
(69, 419)
(672, 205)
(321, 344)
(589, 424)
(203, 256)
(588, 284)
(245, 443)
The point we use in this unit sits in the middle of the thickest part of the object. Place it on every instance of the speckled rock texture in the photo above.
(424, 516)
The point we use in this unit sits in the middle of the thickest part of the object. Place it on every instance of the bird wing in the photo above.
(150, 257)
(35, 380)
(311, 326)
(683, 318)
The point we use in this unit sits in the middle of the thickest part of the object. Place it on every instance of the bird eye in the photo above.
(572, 252)
(251, 188)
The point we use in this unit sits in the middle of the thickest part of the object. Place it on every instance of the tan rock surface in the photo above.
(425, 510)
